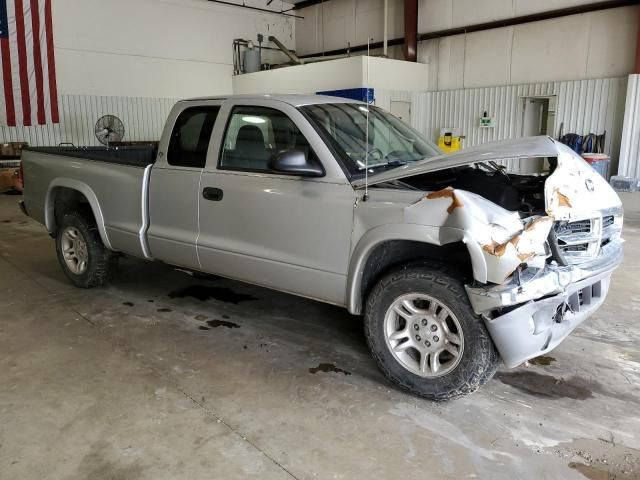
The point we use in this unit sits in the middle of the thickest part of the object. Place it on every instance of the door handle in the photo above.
(213, 194)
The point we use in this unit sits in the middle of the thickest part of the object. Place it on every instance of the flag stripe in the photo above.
(51, 64)
(22, 64)
(7, 82)
(45, 69)
(15, 71)
(37, 59)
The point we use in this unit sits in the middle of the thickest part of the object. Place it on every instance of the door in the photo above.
(534, 122)
(290, 233)
(402, 110)
(532, 116)
(174, 186)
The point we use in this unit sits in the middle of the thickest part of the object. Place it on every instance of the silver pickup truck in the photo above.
(454, 263)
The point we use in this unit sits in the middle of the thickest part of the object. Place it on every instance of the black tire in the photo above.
(479, 359)
(101, 261)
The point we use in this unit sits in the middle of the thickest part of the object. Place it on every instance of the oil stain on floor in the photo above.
(204, 292)
(542, 360)
(222, 323)
(547, 386)
(328, 367)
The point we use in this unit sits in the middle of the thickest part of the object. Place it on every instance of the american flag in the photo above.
(28, 92)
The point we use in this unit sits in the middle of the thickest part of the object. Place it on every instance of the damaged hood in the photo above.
(530, 147)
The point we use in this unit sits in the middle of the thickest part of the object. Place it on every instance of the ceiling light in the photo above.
(253, 120)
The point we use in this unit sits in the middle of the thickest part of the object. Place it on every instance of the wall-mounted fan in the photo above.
(109, 128)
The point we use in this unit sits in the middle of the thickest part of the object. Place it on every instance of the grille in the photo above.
(582, 226)
(581, 240)
(583, 247)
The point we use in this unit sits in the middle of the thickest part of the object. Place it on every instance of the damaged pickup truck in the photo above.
(455, 263)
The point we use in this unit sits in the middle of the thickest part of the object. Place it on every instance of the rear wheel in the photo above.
(83, 257)
(424, 335)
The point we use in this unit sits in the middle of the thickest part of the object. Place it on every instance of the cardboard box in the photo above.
(9, 180)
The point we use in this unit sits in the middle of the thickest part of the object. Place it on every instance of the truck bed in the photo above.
(112, 180)
(134, 156)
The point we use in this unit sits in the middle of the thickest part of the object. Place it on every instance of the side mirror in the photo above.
(295, 162)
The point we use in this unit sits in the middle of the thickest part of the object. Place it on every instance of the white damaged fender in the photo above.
(574, 187)
(504, 240)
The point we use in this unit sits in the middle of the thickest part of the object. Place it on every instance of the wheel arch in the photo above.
(71, 193)
(389, 246)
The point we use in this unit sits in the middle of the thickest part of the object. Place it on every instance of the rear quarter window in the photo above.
(190, 137)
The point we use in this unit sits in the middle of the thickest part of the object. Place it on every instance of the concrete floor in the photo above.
(142, 380)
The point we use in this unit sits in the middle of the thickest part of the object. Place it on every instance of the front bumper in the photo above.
(545, 306)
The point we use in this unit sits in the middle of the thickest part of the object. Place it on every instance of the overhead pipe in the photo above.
(479, 27)
(266, 10)
(292, 56)
(306, 3)
(411, 30)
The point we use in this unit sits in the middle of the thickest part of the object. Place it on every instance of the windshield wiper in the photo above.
(390, 163)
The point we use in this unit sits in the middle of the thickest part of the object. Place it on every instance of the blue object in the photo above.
(601, 166)
(4, 20)
(360, 94)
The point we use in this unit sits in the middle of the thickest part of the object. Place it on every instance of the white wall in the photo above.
(593, 45)
(333, 25)
(154, 48)
(353, 72)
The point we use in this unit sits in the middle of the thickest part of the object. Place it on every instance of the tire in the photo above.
(100, 261)
(427, 286)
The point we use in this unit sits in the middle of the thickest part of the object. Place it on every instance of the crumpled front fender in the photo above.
(497, 239)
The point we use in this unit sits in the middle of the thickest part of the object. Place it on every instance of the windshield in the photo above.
(391, 142)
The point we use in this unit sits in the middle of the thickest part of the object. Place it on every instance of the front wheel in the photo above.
(424, 335)
(83, 257)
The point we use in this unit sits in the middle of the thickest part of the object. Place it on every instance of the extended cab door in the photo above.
(174, 185)
(291, 233)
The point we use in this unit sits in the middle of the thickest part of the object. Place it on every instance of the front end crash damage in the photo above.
(531, 296)
(499, 241)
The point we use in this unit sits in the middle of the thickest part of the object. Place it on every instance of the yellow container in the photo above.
(449, 143)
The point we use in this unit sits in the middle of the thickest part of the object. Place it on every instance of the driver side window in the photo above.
(255, 134)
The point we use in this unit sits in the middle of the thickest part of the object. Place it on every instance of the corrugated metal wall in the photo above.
(143, 119)
(630, 147)
(584, 106)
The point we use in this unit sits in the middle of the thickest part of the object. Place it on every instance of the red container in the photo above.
(599, 161)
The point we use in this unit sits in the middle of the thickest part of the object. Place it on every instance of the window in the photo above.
(190, 137)
(391, 143)
(254, 134)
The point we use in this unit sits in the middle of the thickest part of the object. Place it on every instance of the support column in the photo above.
(411, 30)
